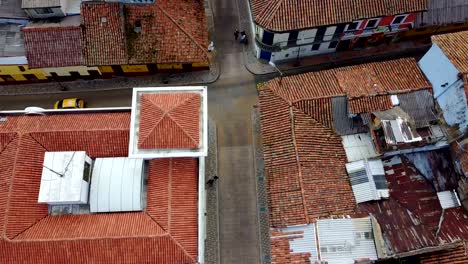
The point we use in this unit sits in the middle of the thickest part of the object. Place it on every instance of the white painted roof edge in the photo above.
(170, 89)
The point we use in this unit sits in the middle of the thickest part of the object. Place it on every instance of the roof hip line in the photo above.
(183, 30)
(291, 116)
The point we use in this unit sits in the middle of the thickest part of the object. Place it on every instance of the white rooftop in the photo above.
(116, 185)
(62, 178)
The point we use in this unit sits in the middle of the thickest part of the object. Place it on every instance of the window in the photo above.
(86, 172)
(358, 177)
(398, 19)
(363, 235)
(353, 26)
(315, 46)
(380, 182)
(44, 11)
(372, 23)
(103, 19)
(333, 44)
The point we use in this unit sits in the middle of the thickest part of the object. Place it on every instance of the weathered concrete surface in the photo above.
(231, 99)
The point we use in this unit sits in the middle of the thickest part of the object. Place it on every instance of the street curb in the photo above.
(340, 63)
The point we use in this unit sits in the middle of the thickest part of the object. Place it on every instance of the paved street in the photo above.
(230, 100)
(111, 98)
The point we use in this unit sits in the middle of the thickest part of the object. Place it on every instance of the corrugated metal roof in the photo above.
(442, 12)
(419, 105)
(344, 240)
(448, 199)
(358, 147)
(362, 175)
(305, 244)
(116, 185)
(343, 124)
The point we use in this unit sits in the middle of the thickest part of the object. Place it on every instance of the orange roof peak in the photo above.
(171, 120)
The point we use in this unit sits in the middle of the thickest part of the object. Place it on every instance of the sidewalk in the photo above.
(260, 67)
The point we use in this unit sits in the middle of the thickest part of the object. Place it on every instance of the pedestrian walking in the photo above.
(236, 34)
(243, 39)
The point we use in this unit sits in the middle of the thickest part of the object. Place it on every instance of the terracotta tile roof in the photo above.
(304, 163)
(409, 219)
(169, 120)
(171, 32)
(169, 226)
(390, 77)
(280, 248)
(104, 33)
(455, 47)
(370, 104)
(285, 15)
(455, 256)
(57, 46)
(180, 36)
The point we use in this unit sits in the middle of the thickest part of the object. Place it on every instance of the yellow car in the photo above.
(69, 103)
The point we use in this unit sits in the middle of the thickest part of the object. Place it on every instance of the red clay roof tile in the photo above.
(166, 233)
(169, 120)
(170, 32)
(455, 47)
(57, 46)
(455, 256)
(286, 15)
(104, 33)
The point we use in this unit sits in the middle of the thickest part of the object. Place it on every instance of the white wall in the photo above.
(451, 98)
(306, 36)
(281, 39)
(306, 50)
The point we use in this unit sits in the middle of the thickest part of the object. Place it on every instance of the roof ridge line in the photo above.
(154, 220)
(301, 180)
(183, 30)
(90, 238)
(40, 220)
(8, 143)
(173, 120)
(181, 247)
(7, 207)
(271, 11)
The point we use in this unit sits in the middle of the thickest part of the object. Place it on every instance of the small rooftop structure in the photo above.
(11, 40)
(169, 122)
(116, 185)
(367, 180)
(334, 241)
(65, 178)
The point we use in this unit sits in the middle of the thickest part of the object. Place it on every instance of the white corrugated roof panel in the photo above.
(306, 243)
(62, 178)
(363, 175)
(359, 146)
(448, 199)
(116, 185)
(344, 240)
